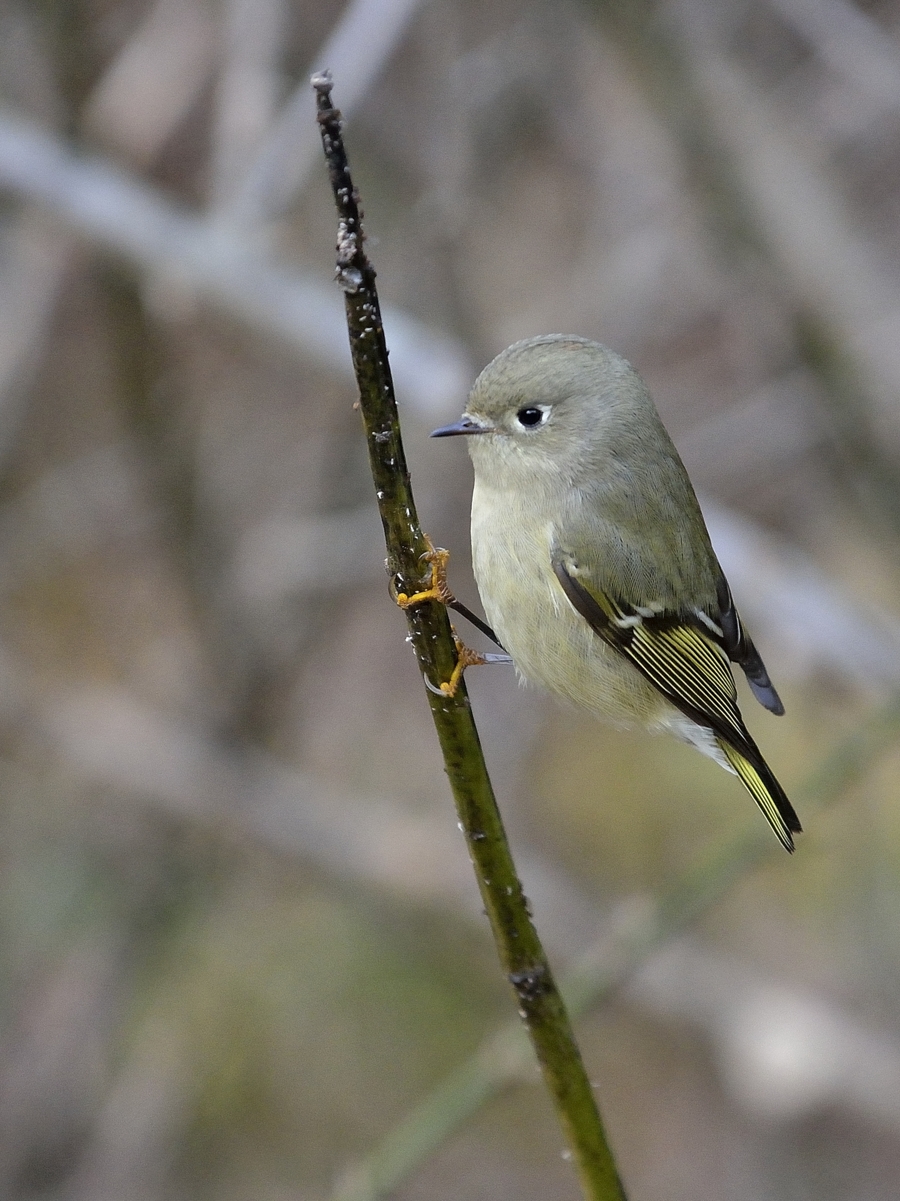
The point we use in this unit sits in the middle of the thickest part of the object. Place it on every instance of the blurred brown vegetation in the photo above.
(238, 935)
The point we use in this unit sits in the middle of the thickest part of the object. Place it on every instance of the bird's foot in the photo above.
(465, 657)
(439, 589)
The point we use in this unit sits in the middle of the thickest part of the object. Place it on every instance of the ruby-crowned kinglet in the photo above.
(593, 561)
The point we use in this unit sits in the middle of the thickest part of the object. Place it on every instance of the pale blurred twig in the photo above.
(96, 499)
(121, 214)
(154, 79)
(816, 625)
(110, 738)
(772, 199)
(784, 1052)
(851, 42)
(55, 1050)
(503, 1057)
(35, 260)
(834, 269)
(246, 95)
(357, 50)
(845, 291)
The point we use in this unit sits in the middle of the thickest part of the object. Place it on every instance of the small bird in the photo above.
(593, 561)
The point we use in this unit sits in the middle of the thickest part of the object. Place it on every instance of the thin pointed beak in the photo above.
(465, 425)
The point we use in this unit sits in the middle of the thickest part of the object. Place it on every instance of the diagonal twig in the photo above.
(502, 1059)
(518, 946)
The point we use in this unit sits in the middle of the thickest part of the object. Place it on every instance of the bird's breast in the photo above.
(550, 643)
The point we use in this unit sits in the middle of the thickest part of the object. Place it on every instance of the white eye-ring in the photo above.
(532, 416)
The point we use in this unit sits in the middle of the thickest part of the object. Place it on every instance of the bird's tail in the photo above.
(766, 791)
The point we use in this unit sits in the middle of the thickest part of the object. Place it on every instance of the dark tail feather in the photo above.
(758, 679)
(740, 650)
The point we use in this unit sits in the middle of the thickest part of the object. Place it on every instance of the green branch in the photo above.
(502, 1058)
(519, 949)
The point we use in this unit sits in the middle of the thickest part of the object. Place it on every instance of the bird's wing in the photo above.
(686, 658)
(740, 649)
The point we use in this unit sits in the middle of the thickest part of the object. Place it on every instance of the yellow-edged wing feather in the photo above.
(684, 661)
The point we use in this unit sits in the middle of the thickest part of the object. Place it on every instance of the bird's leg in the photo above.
(465, 657)
(439, 589)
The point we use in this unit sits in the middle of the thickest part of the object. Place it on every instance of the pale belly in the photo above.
(550, 643)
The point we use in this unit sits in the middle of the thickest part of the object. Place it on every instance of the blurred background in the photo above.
(239, 936)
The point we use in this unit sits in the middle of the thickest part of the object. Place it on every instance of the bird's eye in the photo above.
(531, 416)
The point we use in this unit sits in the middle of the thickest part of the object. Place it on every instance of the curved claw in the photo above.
(465, 657)
(439, 589)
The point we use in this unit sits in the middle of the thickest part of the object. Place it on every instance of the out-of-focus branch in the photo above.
(784, 596)
(641, 928)
(122, 215)
(153, 80)
(138, 1127)
(109, 737)
(246, 94)
(846, 295)
(784, 1053)
(753, 442)
(356, 52)
(851, 42)
(35, 257)
(768, 194)
(818, 628)
(833, 269)
(50, 1055)
(35, 261)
